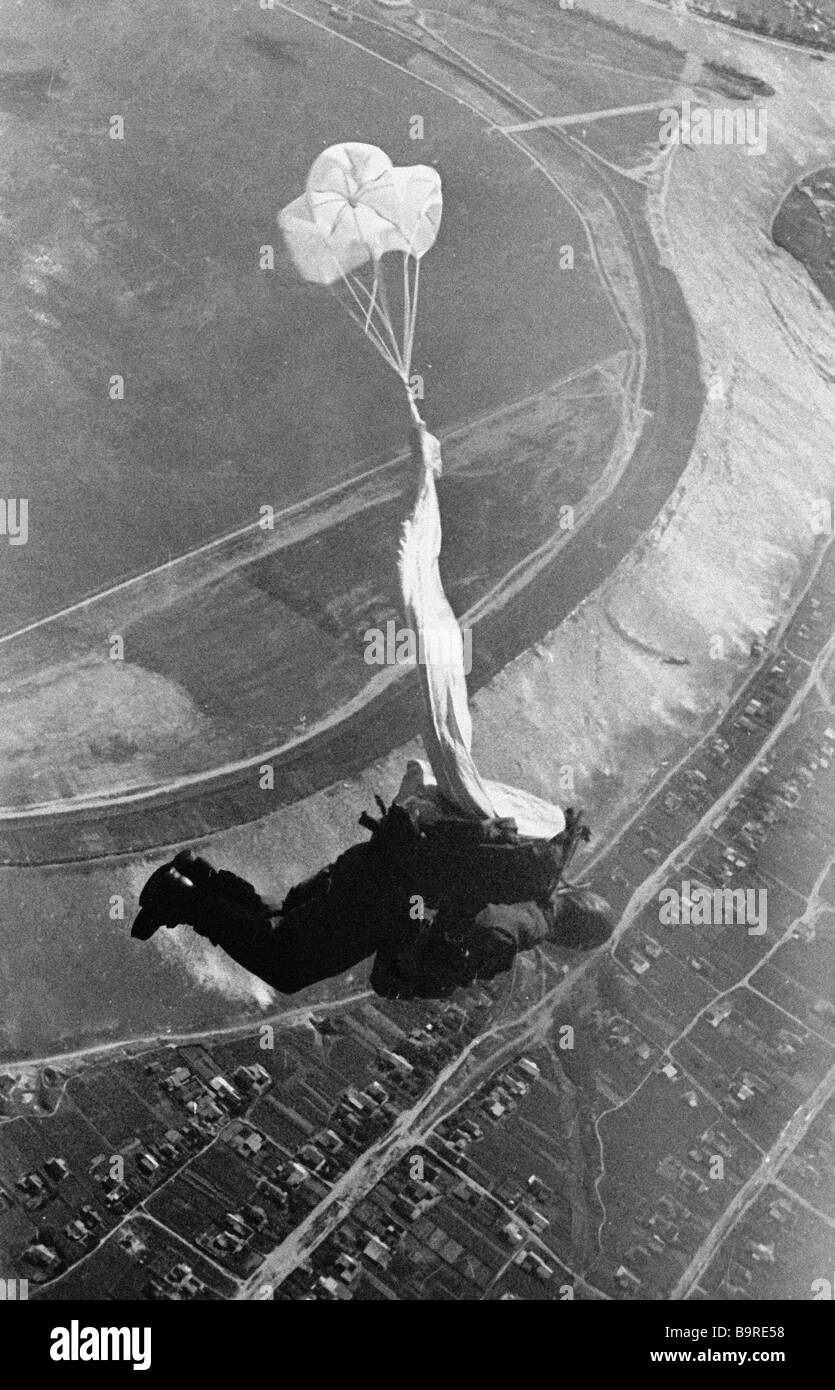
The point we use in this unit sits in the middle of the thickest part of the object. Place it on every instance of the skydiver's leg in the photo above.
(327, 925)
(324, 934)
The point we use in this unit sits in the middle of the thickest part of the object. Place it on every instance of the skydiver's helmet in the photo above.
(581, 920)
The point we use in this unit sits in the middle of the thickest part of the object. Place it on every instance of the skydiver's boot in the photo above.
(334, 921)
(171, 893)
(218, 904)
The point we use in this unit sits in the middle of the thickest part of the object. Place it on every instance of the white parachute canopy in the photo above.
(358, 207)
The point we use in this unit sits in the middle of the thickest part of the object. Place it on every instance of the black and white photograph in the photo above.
(417, 667)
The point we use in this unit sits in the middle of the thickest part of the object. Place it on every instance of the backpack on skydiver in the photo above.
(482, 860)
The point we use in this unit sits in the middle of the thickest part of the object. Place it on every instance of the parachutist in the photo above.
(489, 893)
(486, 861)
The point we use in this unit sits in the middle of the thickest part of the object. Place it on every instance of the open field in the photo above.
(139, 257)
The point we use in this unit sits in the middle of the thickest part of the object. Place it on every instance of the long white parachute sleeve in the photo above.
(447, 726)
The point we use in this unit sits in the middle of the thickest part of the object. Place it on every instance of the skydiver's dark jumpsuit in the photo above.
(484, 902)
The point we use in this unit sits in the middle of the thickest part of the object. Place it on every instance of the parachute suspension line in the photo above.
(373, 316)
(413, 410)
(407, 312)
(410, 298)
(363, 319)
(370, 333)
(369, 329)
(373, 296)
(410, 340)
(383, 317)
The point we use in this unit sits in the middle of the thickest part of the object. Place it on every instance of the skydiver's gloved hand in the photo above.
(395, 827)
(561, 849)
(578, 919)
